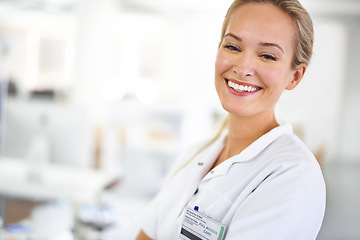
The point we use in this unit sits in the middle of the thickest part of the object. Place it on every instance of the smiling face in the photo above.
(253, 64)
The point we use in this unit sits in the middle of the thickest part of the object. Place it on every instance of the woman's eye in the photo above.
(269, 57)
(232, 47)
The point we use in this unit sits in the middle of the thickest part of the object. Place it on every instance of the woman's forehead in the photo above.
(262, 22)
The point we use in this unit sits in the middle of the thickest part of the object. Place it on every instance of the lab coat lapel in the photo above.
(250, 152)
(261, 143)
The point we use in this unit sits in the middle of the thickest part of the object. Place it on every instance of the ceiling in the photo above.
(43, 5)
(337, 7)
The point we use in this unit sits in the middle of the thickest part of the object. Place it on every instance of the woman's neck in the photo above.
(243, 131)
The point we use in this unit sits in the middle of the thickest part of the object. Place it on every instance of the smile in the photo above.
(242, 88)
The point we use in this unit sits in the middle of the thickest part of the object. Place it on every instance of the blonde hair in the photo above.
(304, 31)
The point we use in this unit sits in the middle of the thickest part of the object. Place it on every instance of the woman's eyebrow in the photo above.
(267, 44)
(233, 36)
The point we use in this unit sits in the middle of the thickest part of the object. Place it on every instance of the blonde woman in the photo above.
(256, 180)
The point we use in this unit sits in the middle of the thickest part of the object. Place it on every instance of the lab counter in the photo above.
(56, 181)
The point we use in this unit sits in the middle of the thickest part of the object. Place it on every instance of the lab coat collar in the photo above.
(247, 154)
(261, 143)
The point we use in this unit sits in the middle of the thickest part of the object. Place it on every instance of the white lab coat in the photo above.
(274, 189)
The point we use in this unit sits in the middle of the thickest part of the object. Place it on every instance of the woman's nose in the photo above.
(244, 65)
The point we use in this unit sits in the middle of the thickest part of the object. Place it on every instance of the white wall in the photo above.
(349, 136)
(317, 103)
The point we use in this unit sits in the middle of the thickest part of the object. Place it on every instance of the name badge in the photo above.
(198, 226)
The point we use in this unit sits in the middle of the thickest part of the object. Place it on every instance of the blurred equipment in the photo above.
(48, 221)
(3, 96)
(67, 130)
(95, 220)
(6, 44)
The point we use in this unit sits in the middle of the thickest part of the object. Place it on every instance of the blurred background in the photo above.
(99, 97)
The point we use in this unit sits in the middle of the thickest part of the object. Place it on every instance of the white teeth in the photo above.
(242, 88)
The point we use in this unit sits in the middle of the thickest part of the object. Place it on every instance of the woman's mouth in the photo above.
(239, 87)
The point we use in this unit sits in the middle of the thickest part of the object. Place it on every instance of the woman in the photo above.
(256, 180)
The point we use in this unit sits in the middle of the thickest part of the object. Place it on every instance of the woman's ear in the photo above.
(297, 76)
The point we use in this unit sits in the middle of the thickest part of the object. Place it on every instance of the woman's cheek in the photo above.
(222, 62)
(270, 75)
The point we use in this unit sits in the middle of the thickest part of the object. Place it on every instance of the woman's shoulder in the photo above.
(292, 146)
(282, 147)
(288, 153)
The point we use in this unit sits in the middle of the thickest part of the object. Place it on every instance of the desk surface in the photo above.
(77, 184)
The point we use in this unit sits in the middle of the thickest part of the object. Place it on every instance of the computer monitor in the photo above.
(68, 129)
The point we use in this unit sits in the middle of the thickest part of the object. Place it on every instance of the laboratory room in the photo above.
(99, 99)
